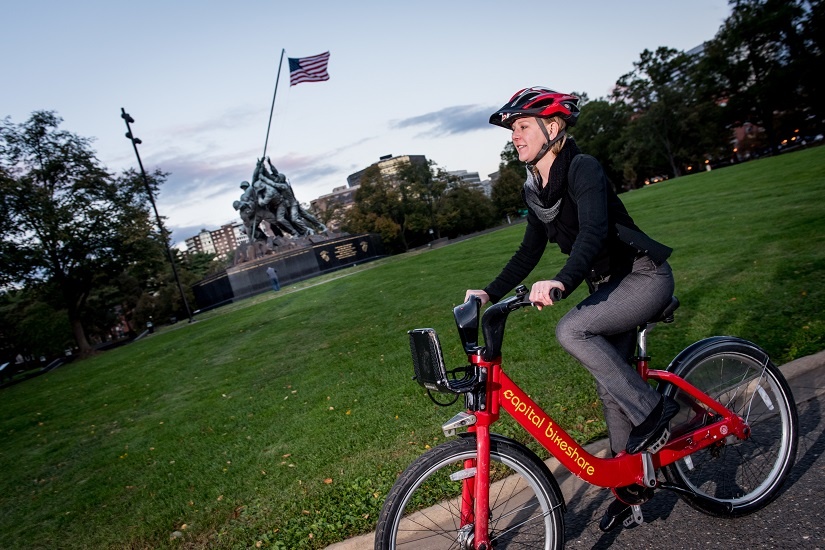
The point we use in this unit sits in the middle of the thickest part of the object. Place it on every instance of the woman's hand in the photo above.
(479, 293)
(540, 293)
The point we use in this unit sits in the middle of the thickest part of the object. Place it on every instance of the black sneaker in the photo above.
(652, 434)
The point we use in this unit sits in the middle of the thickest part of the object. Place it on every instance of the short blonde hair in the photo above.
(557, 147)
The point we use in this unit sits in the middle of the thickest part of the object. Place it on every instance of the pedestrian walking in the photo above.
(273, 277)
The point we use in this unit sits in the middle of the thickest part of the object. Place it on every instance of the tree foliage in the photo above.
(67, 222)
(30, 326)
(506, 193)
(760, 62)
(754, 89)
(377, 210)
(665, 131)
(418, 204)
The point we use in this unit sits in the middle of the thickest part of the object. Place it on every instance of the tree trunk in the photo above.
(84, 349)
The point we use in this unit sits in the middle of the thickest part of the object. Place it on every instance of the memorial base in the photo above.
(293, 265)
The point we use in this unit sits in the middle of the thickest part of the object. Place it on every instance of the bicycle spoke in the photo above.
(745, 473)
(524, 509)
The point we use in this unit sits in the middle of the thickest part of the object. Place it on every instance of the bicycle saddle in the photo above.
(666, 315)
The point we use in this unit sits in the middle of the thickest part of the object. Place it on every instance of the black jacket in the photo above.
(586, 229)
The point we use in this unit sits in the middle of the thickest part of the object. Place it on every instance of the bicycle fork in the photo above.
(474, 533)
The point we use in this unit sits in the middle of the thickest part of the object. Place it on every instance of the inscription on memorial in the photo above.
(346, 250)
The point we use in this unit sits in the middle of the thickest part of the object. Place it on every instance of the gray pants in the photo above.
(600, 333)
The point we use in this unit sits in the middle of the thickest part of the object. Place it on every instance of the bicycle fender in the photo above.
(703, 346)
(496, 438)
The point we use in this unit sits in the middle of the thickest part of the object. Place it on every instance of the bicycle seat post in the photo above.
(664, 316)
(642, 358)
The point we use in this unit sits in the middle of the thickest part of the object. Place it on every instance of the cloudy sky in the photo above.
(418, 78)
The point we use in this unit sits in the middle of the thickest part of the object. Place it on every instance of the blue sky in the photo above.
(417, 78)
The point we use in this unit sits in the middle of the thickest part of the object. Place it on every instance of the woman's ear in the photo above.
(553, 129)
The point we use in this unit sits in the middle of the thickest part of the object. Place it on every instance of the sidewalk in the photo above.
(805, 375)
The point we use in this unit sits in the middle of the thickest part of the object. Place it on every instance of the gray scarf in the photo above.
(545, 201)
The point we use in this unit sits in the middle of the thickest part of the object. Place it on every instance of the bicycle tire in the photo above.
(744, 475)
(526, 506)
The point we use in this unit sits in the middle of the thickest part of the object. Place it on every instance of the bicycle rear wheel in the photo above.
(423, 509)
(744, 474)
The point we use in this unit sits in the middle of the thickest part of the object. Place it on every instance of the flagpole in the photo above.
(272, 108)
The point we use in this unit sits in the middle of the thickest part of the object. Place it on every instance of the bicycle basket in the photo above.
(428, 361)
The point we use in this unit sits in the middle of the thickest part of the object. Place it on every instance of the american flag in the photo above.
(308, 69)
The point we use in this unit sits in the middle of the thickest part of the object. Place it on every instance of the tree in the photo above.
(421, 191)
(506, 194)
(464, 209)
(811, 63)
(599, 132)
(160, 299)
(418, 203)
(332, 215)
(30, 326)
(761, 63)
(376, 210)
(665, 132)
(67, 222)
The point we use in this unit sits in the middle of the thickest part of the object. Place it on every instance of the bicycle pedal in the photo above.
(659, 444)
(635, 517)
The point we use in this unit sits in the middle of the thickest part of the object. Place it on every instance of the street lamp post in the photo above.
(135, 142)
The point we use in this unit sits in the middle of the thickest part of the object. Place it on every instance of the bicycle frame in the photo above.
(625, 469)
(488, 390)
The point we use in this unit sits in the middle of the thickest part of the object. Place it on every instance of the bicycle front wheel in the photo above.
(743, 474)
(423, 509)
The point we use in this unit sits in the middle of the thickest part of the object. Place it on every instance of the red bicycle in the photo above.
(730, 449)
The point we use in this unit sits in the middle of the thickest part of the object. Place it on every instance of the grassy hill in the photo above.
(282, 421)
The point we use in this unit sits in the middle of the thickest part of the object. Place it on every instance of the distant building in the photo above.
(487, 185)
(219, 242)
(389, 166)
(466, 177)
(342, 199)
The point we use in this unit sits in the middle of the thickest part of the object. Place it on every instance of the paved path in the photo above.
(795, 520)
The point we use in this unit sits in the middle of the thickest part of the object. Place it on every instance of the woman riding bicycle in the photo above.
(571, 203)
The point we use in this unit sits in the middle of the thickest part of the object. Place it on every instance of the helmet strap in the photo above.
(550, 142)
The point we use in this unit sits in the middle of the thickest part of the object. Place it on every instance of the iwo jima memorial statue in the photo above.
(281, 235)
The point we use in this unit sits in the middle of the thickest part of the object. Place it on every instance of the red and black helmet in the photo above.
(538, 102)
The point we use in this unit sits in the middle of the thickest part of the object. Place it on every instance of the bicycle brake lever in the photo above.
(522, 298)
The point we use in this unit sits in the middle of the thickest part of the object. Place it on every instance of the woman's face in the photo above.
(528, 138)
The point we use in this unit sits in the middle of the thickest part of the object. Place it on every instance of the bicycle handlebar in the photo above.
(523, 296)
(493, 320)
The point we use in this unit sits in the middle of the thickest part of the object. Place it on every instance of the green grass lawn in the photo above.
(282, 421)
